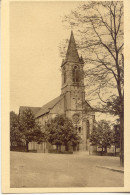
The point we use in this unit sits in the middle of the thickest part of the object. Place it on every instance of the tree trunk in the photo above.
(27, 145)
(57, 148)
(44, 146)
(60, 148)
(105, 149)
(115, 150)
(66, 147)
(102, 151)
(122, 139)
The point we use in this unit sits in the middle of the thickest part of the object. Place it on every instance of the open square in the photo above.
(63, 170)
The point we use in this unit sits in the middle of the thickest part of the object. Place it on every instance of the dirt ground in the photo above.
(63, 170)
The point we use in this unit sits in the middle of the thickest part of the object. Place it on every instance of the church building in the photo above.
(70, 102)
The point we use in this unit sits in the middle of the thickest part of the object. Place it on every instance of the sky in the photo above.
(36, 31)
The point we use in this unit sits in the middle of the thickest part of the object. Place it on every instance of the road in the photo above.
(63, 170)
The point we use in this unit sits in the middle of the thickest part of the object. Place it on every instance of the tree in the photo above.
(28, 127)
(60, 131)
(15, 136)
(99, 26)
(102, 135)
(116, 136)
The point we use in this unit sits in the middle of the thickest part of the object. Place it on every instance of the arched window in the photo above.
(76, 74)
(64, 75)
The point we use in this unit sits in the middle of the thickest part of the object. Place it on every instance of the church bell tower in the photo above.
(73, 80)
(73, 92)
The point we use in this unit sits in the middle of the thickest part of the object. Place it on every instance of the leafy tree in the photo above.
(99, 27)
(116, 136)
(102, 135)
(30, 129)
(15, 135)
(60, 131)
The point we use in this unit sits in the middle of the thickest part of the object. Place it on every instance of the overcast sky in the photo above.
(36, 31)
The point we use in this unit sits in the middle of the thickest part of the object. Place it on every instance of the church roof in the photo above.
(38, 111)
(46, 108)
(72, 53)
(33, 109)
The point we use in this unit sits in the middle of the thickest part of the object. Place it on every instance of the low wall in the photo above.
(94, 151)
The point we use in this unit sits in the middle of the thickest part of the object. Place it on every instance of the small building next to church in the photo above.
(70, 102)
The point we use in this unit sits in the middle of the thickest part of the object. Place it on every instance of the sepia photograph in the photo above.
(66, 94)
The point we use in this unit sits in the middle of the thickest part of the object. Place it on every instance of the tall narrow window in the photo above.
(79, 129)
(64, 75)
(76, 74)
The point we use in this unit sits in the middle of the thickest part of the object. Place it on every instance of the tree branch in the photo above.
(102, 41)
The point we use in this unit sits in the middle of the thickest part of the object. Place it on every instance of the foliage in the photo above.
(39, 135)
(116, 135)
(29, 128)
(102, 134)
(15, 135)
(60, 131)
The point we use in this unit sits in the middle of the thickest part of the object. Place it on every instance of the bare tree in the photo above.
(99, 29)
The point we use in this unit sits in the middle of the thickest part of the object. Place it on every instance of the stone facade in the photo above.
(71, 102)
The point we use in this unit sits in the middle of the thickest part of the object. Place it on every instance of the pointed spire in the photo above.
(72, 53)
